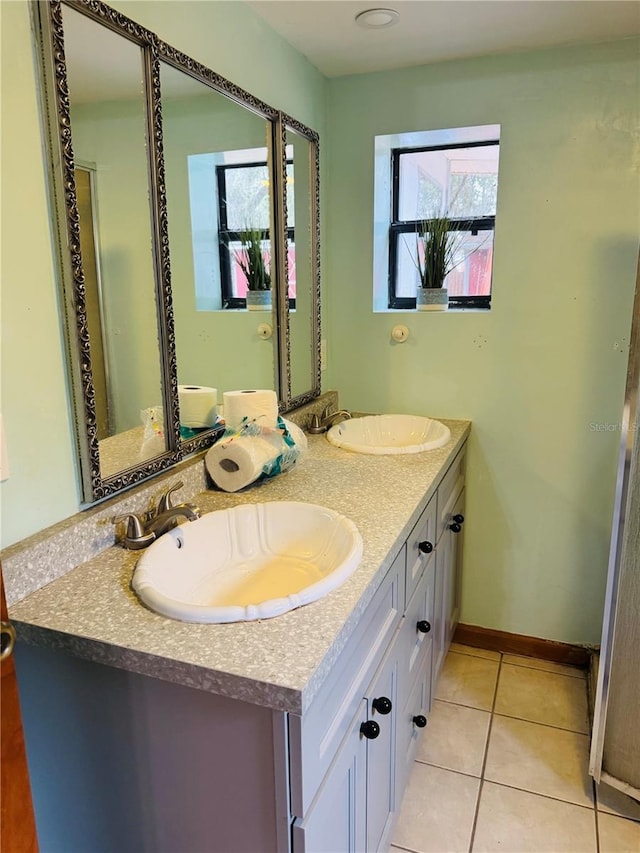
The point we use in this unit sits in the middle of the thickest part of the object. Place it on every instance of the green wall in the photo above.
(547, 364)
(43, 487)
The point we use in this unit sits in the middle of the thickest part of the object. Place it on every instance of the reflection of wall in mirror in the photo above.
(111, 135)
(213, 347)
(300, 319)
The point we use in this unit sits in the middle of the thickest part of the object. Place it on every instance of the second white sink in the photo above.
(389, 434)
(252, 561)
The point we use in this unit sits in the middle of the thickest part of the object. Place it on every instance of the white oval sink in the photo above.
(389, 434)
(252, 561)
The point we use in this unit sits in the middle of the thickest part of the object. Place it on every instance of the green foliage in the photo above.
(435, 251)
(251, 260)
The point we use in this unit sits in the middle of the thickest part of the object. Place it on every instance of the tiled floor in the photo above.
(503, 765)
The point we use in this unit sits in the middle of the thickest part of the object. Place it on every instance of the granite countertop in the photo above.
(92, 612)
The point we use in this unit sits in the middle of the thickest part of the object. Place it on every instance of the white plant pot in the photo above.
(432, 299)
(259, 300)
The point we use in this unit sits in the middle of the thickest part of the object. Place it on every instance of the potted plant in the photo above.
(435, 257)
(251, 261)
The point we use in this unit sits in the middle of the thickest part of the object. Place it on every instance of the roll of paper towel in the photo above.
(197, 406)
(261, 406)
(235, 462)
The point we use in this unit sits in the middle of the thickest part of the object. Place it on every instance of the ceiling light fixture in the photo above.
(376, 19)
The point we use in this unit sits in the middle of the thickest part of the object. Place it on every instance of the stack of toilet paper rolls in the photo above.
(237, 460)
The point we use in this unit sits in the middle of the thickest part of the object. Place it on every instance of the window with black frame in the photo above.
(459, 182)
(243, 205)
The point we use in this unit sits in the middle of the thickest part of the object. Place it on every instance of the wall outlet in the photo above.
(323, 354)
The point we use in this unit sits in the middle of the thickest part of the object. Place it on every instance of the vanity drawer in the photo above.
(314, 739)
(417, 631)
(421, 539)
(449, 489)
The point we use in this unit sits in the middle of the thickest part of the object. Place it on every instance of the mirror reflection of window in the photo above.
(217, 158)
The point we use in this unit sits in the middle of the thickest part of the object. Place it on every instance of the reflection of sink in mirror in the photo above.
(389, 434)
(252, 561)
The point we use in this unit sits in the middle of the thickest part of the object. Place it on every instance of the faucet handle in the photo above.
(135, 528)
(165, 504)
(135, 536)
(327, 411)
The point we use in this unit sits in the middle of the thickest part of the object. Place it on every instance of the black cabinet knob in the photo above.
(458, 518)
(420, 721)
(455, 527)
(382, 705)
(423, 626)
(370, 729)
(425, 547)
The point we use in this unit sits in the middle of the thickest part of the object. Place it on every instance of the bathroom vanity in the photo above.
(295, 733)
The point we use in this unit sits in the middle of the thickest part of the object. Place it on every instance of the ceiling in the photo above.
(438, 30)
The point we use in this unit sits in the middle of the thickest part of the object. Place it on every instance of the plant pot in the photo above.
(259, 300)
(432, 299)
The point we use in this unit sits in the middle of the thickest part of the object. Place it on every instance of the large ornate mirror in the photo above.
(218, 156)
(164, 177)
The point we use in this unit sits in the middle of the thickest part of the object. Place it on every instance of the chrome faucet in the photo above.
(321, 423)
(143, 529)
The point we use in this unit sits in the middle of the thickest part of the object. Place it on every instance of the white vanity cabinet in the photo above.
(153, 764)
(353, 805)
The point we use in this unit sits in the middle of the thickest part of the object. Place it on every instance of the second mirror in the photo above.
(218, 155)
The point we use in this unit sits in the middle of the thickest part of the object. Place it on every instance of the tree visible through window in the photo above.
(461, 183)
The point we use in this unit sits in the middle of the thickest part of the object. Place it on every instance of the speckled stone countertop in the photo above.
(92, 612)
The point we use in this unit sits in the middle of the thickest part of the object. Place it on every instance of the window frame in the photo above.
(227, 236)
(409, 226)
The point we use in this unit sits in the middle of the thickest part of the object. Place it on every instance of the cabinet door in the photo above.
(447, 596)
(337, 818)
(382, 705)
(452, 579)
(411, 723)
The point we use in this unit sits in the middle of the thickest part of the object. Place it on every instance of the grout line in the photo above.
(545, 671)
(538, 794)
(457, 704)
(538, 723)
(484, 759)
(595, 810)
(580, 673)
(448, 769)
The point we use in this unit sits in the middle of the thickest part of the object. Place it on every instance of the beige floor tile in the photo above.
(455, 738)
(546, 665)
(540, 759)
(542, 697)
(475, 653)
(467, 680)
(519, 822)
(617, 834)
(437, 811)
(612, 801)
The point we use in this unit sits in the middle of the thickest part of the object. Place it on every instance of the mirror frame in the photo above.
(48, 20)
(284, 347)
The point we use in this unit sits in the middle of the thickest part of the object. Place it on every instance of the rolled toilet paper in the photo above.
(260, 405)
(236, 462)
(197, 406)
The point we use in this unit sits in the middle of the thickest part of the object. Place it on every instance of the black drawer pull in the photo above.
(425, 547)
(370, 729)
(458, 518)
(423, 626)
(455, 527)
(382, 705)
(420, 721)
